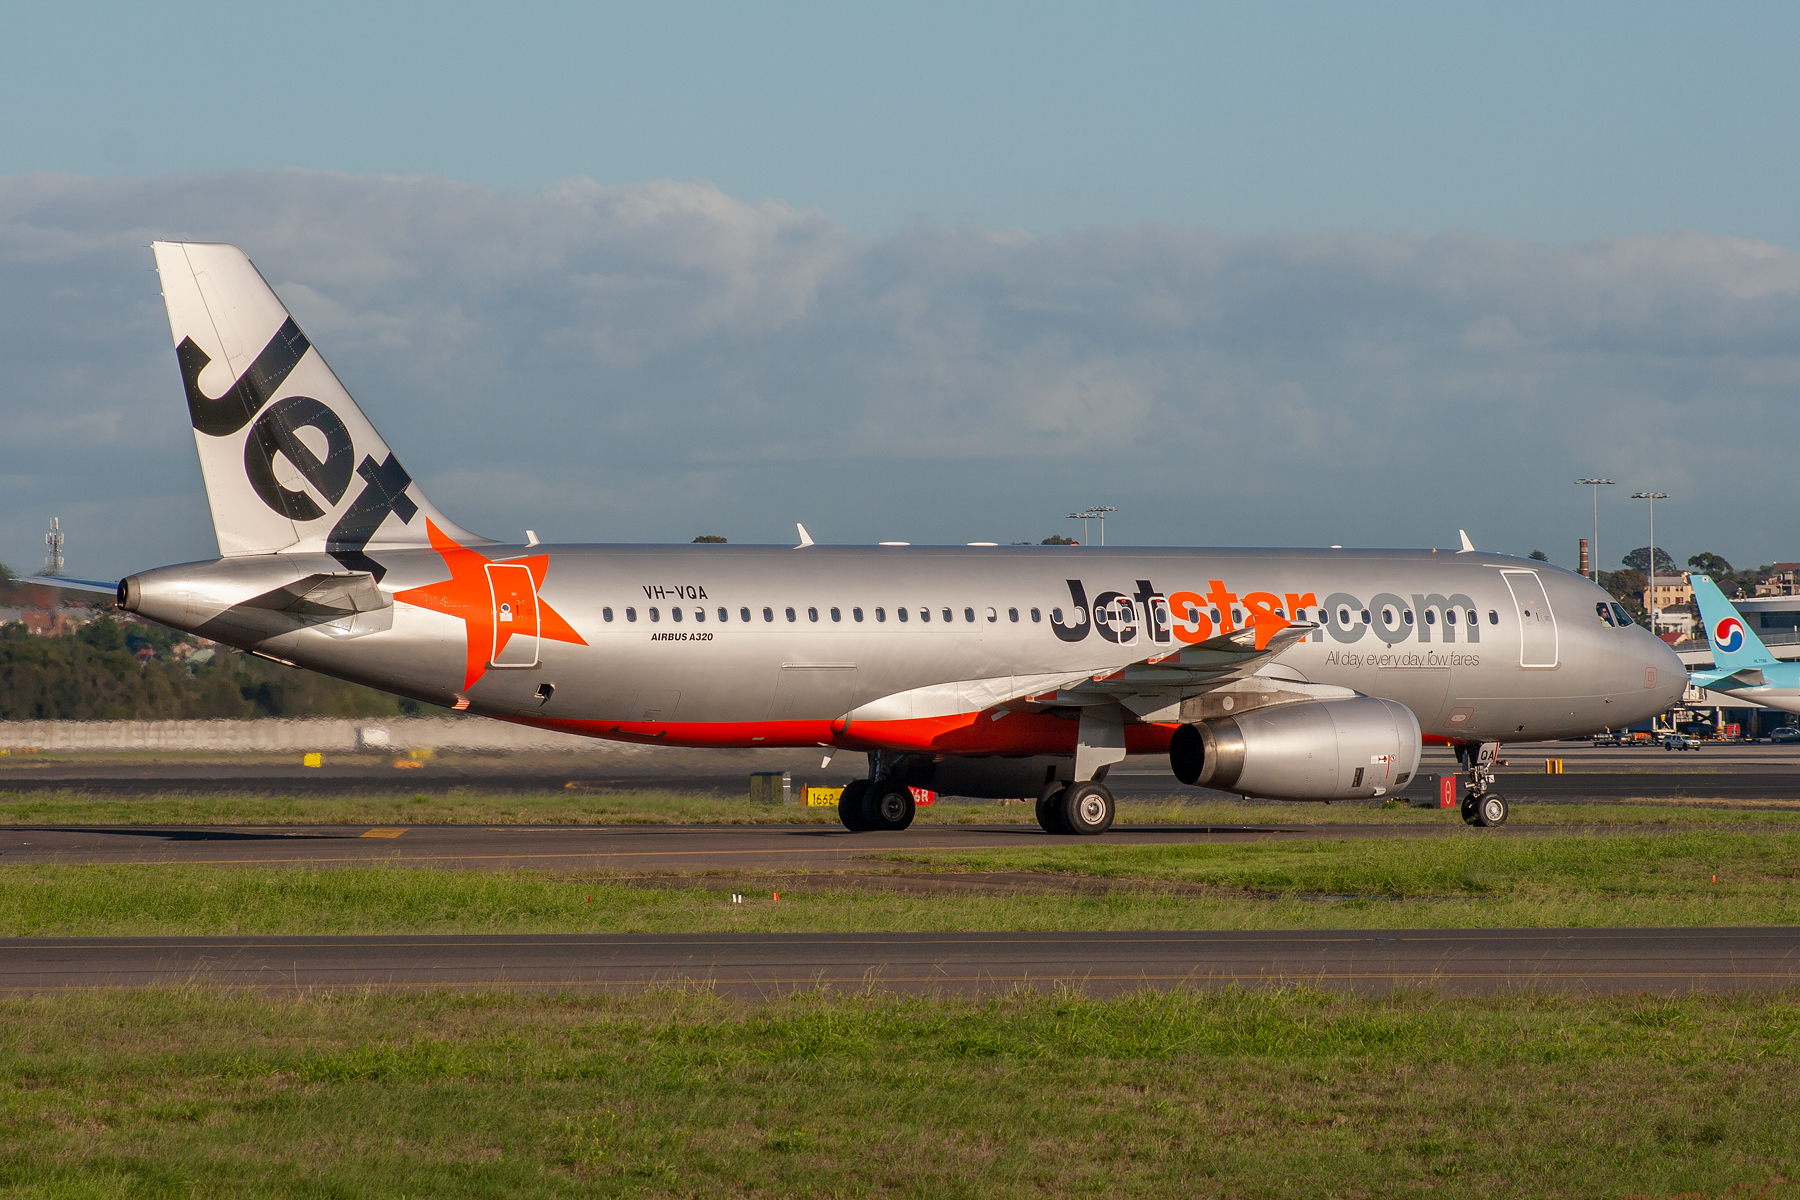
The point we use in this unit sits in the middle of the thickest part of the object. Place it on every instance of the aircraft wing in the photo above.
(1160, 682)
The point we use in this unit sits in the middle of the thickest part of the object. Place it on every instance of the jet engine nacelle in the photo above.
(1316, 750)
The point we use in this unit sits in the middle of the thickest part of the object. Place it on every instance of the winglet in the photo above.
(1468, 547)
(805, 537)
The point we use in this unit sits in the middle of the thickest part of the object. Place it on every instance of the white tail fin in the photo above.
(290, 462)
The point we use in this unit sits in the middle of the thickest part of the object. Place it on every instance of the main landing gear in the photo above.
(1481, 806)
(1080, 808)
(880, 804)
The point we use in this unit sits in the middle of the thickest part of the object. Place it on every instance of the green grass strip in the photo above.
(1287, 1094)
(1468, 881)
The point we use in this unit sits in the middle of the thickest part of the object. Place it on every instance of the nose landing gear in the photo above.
(1481, 806)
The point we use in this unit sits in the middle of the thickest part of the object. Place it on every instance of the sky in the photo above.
(1290, 274)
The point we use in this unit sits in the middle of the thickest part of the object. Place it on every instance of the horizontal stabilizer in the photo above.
(63, 582)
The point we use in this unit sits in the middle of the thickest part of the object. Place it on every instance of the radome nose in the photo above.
(1671, 672)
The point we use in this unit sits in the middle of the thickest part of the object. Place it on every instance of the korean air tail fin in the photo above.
(1734, 646)
(291, 463)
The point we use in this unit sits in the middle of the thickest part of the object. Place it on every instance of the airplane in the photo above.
(1743, 669)
(972, 670)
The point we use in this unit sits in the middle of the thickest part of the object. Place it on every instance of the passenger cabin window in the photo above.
(1343, 616)
(655, 616)
(1055, 615)
(1036, 616)
(768, 614)
(631, 614)
(924, 614)
(812, 614)
(743, 614)
(791, 617)
(1474, 617)
(699, 614)
(993, 616)
(1431, 616)
(901, 613)
(1449, 616)
(1409, 616)
(1365, 616)
(606, 614)
(674, 614)
(881, 614)
(725, 614)
(1493, 617)
(969, 615)
(1012, 614)
(836, 615)
(856, 614)
(948, 617)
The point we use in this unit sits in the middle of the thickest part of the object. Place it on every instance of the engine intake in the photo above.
(1317, 750)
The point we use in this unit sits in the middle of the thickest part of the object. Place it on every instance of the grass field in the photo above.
(1695, 878)
(475, 806)
(1294, 1094)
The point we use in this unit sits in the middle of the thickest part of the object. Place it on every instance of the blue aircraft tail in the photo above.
(1734, 646)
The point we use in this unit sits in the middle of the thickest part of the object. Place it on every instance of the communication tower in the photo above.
(53, 541)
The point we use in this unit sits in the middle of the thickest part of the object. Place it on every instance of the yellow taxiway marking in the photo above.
(388, 833)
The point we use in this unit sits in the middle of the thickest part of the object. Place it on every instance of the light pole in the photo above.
(1594, 553)
(1652, 497)
(1096, 513)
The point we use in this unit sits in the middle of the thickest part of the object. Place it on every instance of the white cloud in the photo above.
(653, 361)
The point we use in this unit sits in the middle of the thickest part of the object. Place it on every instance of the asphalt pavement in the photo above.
(1375, 962)
(1730, 773)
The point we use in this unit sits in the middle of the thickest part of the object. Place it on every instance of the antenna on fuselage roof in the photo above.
(1468, 547)
(805, 537)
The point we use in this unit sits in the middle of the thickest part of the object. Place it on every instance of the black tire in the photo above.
(1491, 810)
(887, 807)
(1468, 809)
(1049, 808)
(1087, 809)
(850, 805)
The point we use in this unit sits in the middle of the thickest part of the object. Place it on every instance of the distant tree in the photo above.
(1058, 540)
(1639, 560)
(709, 537)
(1711, 564)
(1539, 555)
(6, 572)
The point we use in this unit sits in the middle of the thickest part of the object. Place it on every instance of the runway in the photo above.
(641, 849)
(1372, 962)
(1729, 773)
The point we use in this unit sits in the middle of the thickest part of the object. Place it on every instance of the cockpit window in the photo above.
(1605, 611)
(1621, 617)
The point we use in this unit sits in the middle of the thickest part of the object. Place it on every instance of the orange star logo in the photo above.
(493, 604)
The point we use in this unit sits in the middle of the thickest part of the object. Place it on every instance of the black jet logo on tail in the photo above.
(244, 399)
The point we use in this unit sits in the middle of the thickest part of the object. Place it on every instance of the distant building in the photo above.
(1670, 592)
(1783, 580)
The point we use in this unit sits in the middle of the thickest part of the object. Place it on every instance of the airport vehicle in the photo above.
(1743, 668)
(1680, 741)
(973, 671)
(1787, 733)
(1606, 737)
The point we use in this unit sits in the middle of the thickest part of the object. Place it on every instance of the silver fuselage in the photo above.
(661, 650)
